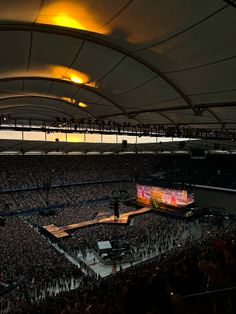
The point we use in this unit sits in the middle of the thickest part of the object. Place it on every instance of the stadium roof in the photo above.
(166, 62)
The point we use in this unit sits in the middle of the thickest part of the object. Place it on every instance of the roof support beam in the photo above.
(38, 107)
(50, 98)
(215, 116)
(90, 36)
(166, 117)
(84, 87)
(183, 107)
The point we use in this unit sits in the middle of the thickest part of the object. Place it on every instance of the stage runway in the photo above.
(61, 232)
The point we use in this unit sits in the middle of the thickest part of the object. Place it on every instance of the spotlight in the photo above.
(82, 104)
(76, 79)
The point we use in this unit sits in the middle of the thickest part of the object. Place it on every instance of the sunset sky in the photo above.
(93, 138)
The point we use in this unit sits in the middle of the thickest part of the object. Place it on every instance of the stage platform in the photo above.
(62, 232)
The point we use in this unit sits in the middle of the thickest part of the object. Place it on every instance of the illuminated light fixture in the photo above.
(62, 19)
(72, 14)
(72, 101)
(61, 72)
(74, 79)
(82, 104)
(77, 80)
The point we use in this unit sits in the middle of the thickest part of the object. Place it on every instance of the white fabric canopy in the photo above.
(150, 62)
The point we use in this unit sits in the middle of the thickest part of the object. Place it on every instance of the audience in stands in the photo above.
(178, 258)
(156, 285)
(73, 195)
(21, 172)
(33, 263)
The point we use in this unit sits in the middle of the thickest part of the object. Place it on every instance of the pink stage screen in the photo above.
(143, 194)
(148, 195)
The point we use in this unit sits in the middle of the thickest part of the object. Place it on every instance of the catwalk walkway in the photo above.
(61, 232)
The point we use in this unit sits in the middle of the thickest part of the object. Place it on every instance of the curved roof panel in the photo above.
(129, 61)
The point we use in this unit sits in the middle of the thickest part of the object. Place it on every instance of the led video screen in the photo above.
(153, 195)
(143, 194)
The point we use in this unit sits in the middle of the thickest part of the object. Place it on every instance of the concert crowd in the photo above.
(21, 172)
(148, 235)
(29, 260)
(174, 258)
(66, 196)
(195, 266)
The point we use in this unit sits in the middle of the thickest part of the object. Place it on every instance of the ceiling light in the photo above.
(63, 19)
(76, 79)
(73, 78)
(72, 101)
(82, 104)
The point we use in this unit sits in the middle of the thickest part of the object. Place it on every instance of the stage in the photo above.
(63, 231)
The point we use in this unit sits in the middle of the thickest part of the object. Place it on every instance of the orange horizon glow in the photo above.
(75, 138)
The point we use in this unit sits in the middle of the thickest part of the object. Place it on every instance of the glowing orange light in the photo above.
(92, 84)
(71, 14)
(72, 75)
(82, 104)
(63, 19)
(77, 79)
(72, 101)
(57, 72)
